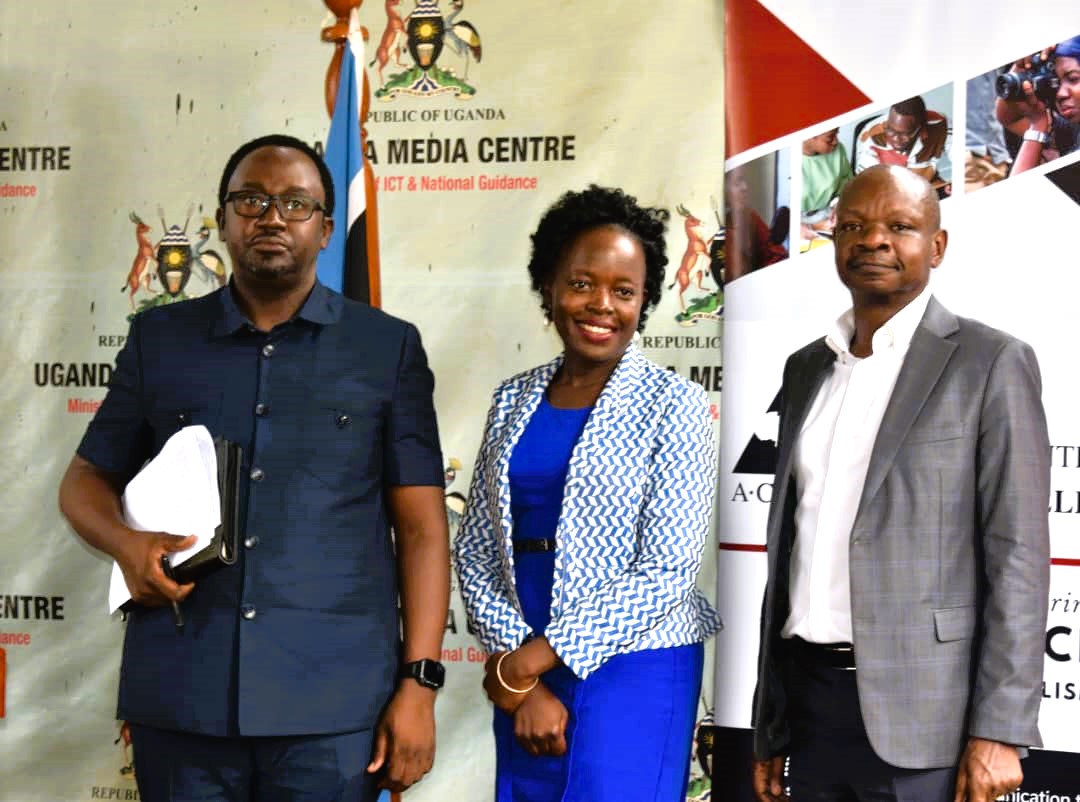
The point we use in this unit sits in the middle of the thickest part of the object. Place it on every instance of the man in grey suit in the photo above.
(908, 544)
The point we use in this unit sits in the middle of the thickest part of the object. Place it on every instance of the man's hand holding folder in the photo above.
(191, 486)
(140, 562)
(175, 492)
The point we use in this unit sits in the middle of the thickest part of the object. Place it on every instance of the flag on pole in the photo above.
(343, 265)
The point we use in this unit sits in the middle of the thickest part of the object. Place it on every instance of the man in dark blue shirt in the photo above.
(293, 677)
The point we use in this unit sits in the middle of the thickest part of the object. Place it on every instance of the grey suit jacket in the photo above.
(949, 552)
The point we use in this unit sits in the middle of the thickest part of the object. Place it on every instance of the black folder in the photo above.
(223, 548)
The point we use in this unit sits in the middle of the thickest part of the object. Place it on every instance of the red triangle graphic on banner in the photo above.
(775, 83)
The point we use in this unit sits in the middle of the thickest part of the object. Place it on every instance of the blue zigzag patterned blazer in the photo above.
(636, 509)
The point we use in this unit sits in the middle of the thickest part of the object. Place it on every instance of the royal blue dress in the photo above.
(631, 722)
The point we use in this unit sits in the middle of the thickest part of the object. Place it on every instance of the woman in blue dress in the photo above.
(583, 534)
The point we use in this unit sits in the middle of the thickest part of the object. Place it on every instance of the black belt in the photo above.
(834, 655)
(534, 545)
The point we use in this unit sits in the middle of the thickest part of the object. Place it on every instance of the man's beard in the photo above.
(269, 270)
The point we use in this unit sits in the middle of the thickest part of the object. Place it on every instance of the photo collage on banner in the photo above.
(115, 124)
(1003, 103)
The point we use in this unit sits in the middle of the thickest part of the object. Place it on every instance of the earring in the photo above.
(636, 339)
(547, 322)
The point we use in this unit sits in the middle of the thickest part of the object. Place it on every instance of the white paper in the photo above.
(175, 492)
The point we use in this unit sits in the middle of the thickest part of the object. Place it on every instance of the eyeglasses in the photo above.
(294, 208)
(904, 136)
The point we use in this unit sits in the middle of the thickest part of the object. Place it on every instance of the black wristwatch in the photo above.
(429, 673)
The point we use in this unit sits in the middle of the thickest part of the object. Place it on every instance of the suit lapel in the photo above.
(924, 363)
(799, 393)
(529, 390)
(526, 393)
(801, 384)
(608, 409)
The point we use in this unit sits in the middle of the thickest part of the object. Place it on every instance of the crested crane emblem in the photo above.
(426, 35)
(162, 272)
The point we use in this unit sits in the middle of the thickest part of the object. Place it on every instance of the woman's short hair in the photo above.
(577, 212)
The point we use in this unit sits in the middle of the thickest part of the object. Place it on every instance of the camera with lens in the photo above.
(1043, 78)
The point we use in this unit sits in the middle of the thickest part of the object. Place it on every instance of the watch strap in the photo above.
(429, 673)
(1035, 135)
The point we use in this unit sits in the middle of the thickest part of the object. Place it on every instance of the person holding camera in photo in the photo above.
(1039, 101)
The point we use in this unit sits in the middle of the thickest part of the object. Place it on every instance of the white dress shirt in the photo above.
(830, 462)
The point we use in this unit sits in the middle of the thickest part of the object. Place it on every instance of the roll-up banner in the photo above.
(815, 93)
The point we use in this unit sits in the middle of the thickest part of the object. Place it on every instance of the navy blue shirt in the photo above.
(331, 408)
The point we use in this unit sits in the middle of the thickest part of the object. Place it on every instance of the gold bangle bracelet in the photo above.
(499, 677)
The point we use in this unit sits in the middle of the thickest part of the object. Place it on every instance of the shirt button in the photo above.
(247, 611)
(342, 421)
(257, 474)
(251, 541)
(261, 410)
(183, 418)
(268, 350)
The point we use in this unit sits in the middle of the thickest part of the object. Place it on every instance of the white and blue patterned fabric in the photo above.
(635, 514)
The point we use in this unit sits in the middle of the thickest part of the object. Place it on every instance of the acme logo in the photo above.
(760, 455)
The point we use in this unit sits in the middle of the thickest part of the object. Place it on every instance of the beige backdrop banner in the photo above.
(115, 121)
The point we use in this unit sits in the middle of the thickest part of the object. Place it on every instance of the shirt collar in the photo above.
(895, 334)
(323, 307)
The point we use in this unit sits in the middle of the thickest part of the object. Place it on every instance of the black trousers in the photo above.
(831, 759)
(180, 767)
